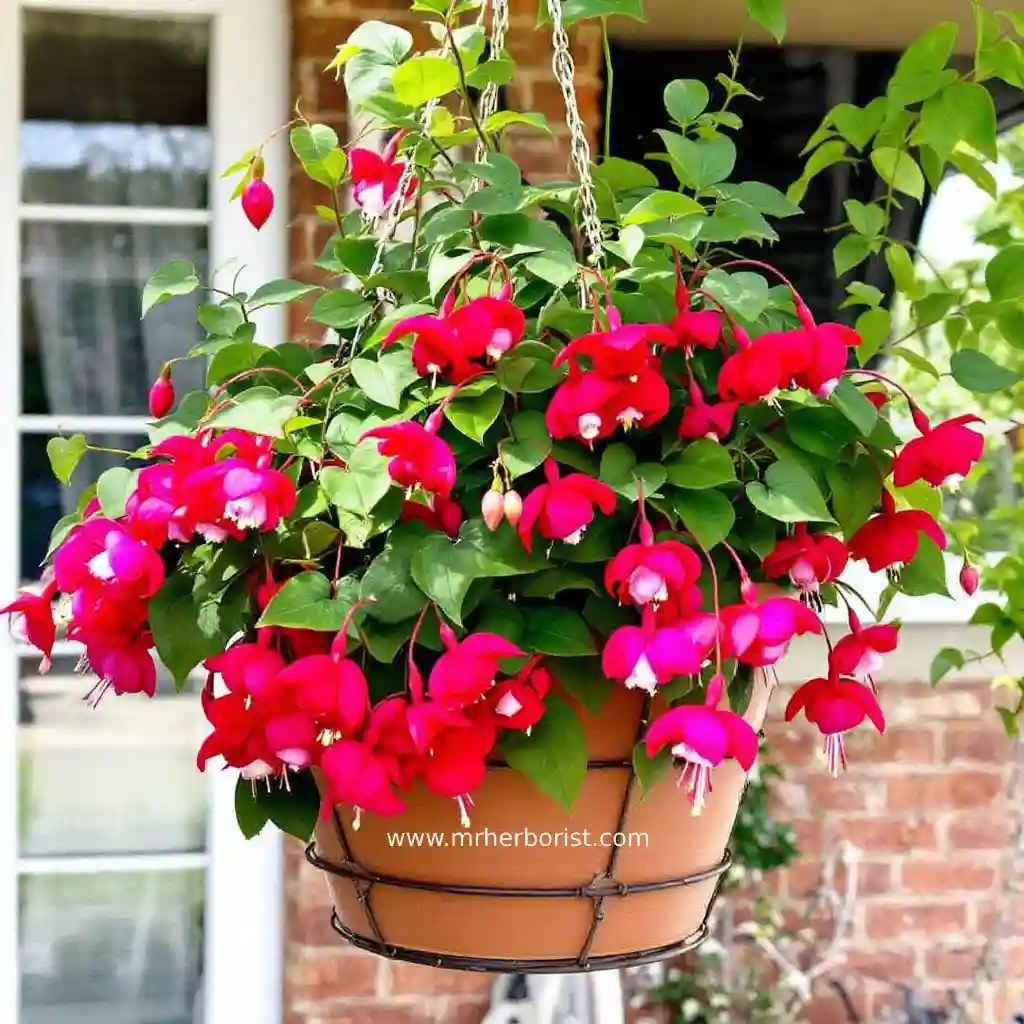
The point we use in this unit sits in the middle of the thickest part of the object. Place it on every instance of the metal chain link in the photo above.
(489, 100)
(565, 73)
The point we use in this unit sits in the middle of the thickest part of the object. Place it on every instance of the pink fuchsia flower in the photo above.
(230, 497)
(518, 703)
(442, 514)
(456, 763)
(861, 653)
(942, 454)
(97, 615)
(835, 705)
(563, 507)
(761, 368)
(419, 458)
(124, 668)
(891, 539)
(702, 737)
(492, 509)
(704, 419)
(809, 559)
(237, 735)
(513, 508)
(647, 656)
(621, 351)
(758, 634)
(828, 353)
(161, 394)
(376, 177)
(695, 328)
(257, 202)
(579, 407)
(970, 579)
(330, 690)
(249, 669)
(31, 621)
(643, 399)
(100, 550)
(466, 669)
(355, 774)
(649, 572)
(683, 605)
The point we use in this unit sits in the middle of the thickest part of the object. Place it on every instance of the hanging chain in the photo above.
(489, 100)
(565, 73)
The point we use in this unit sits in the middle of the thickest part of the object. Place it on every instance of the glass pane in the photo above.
(115, 111)
(111, 949)
(44, 500)
(84, 348)
(117, 779)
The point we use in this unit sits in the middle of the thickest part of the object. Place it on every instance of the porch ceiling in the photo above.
(865, 24)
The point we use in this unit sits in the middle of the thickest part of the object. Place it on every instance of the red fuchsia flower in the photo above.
(828, 353)
(101, 550)
(758, 633)
(970, 579)
(703, 419)
(682, 605)
(622, 351)
(456, 764)
(809, 559)
(761, 368)
(454, 343)
(230, 497)
(579, 407)
(356, 774)
(238, 735)
(376, 177)
(257, 202)
(31, 621)
(835, 705)
(442, 514)
(563, 508)
(641, 400)
(647, 656)
(466, 670)
(861, 653)
(97, 615)
(650, 571)
(330, 690)
(694, 328)
(878, 399)
(249, 669)
(124, 668)
(702, 737)
(891, 539)
(419, 458)
(941, 454)
(518, 703)
(161, 394)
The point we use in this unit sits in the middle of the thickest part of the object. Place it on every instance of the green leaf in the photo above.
(827, 154)
(499, 552)
(187, 632)
(902, 269)
(980, 373)
(294, 808)
(339, 309)
(930, 52)
(858, 125)
(744, 294)
(251, 815)
(700, 163)
(874, 326)
(789, 494)
(65, 453)
(925, 573)
(474, 416)
(581, 10)
(686, 100)
(974, 169)
(1004, 275)
(764, 198)
(503, 118)
(388, 580)
(624, 175)
(619, 470)
(856, 490)
(650, 770)
(385, 379)
(276, 293)
(316, 147)
(501, 616)
(702, 465)
(554, 756)
(850, 401)
(424, 78)
(260, 410)
(866, 219)
(661, 206)
(306, 602)
(898, 169)
(234, 359)
(59, 532)
(556, 268)
(1010, 719)
(770, 14)
(523, 231)
(851, 251)
(527, 369)
(821, 431)
(531, 444)
(361, 484)
(583, 679)
(963, 112)
(178, 277)
(708, 515)
(381, 48)
(557, 631)
(552, 582)
(445, 571)
(948, 659)
(113, 489)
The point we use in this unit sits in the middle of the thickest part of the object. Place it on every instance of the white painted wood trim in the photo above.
(148, 216)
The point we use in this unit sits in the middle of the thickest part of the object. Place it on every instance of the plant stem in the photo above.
(609, 85)
(464, 87)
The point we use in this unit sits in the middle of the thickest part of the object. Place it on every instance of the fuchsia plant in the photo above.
(431, 542)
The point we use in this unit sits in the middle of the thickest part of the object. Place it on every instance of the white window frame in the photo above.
(249, 100)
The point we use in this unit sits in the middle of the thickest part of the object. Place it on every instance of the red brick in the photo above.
(400, 979)
(978, 831)
(1012, 915)
(889, 834)
(849, 792)
(375, 1012)
(888, 963)
(897, 745)
(943, 791)
(893, 920)
(946, 875)
(315, 975)
(828, 1008)
(976, 742)
(873, 878)
(953, 963)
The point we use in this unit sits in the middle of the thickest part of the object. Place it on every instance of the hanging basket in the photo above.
(486, 906)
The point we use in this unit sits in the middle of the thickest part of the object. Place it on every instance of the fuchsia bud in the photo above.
(492, 508)
(513, 508)
(257, 197)
(969, 578)
(161, 394)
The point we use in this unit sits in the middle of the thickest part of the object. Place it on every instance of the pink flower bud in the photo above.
(161, 395)
(492, 508)
(258, 202)
(969, 578)
(513, 508)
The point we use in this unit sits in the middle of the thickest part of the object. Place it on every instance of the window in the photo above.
(127, 896)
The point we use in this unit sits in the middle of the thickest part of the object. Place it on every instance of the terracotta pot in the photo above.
(559, 907)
